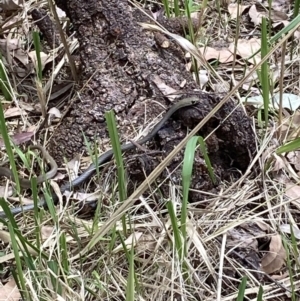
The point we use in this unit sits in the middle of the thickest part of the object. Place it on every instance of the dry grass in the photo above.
(84, 259)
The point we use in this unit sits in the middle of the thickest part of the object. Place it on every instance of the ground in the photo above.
(234, 227)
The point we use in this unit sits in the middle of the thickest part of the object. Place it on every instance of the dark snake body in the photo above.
(104, 158)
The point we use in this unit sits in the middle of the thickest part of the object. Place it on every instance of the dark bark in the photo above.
(120, 65)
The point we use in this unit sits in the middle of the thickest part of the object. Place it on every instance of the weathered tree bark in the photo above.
(120, 62)
(118, 59)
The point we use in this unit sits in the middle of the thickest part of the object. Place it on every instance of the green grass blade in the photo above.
(116, 146)
(187, 169)
(93, 155)
(242, 288)
(64, 252)
(290, 269)
(177, 238)
(176, 8)
(4, 82)
(260, 294)
(265, 82)
(294, 246)
(20, 274)
(294, 23)
(130, 289)
(8, 148)
(50, 205)
(113, 238)
(36, 216)
(167, 8)
(207, 160)
(54, 276)
(288, 147)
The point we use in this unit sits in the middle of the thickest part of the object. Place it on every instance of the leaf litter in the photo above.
(235, 211)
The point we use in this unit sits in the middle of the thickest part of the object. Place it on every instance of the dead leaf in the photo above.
(256, 16)
(278, 163)
(13, 112)
(238, 237)
(222, 55)
(45, 58)
(10, 44)
(87, 197)
(6, 192)
(280, 5)
(26, 106)
(19, 138)
(133, 238)
(73, 167)
(246, 48)
(46, 232)
(278, 16)
(296, 119)
(10, 5)
(263, 226)
(22, 57)
(294, 158)
(286, 228)
(5, 236)
(203, 77)
(224, 88)
(233, 9)
(10, 291)
(61, 14)
(292, 191)
(55, 112)
(146, 245)
(274, 259)
(165, 89)
(12, 22)
(22, 200)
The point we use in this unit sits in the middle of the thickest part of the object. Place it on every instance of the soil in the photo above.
(120, 65)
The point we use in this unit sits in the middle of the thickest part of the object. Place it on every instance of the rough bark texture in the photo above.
(120, 64)
(118, 59)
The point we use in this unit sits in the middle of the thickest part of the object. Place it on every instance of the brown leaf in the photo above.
(275, 258)
(278, 163)
(10, 5)
(47, 231)
(13, 112)
(294, 158)
(222, 55)
(6, 191)
(19, 138)
(256, 16)
(278, 16)
(246, 48)
(73, 167)
(233, 9)
(10, 291)
(10, 44)
(132, 239)
(22, 200)
(5, 236)
(286, 228)
(293, 192)
(241, 238)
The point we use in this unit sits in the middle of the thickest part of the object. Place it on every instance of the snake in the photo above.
(102, 159)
